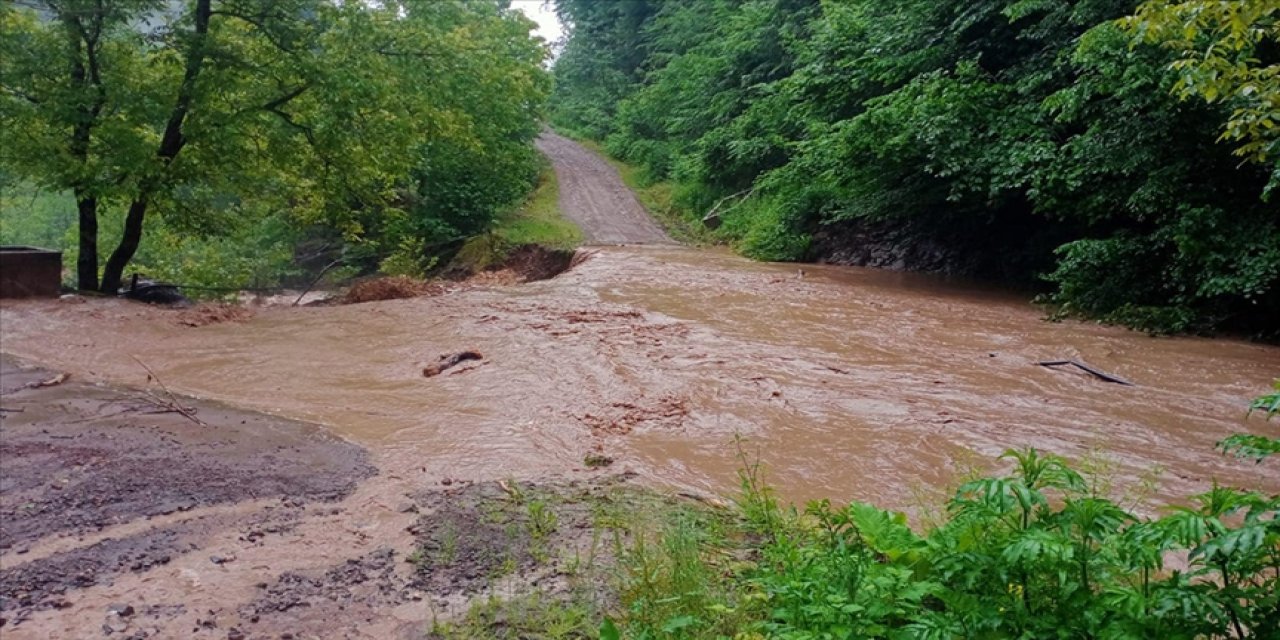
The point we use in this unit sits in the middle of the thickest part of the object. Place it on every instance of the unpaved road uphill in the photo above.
(593, 196)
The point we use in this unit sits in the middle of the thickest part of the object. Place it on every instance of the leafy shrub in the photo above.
(766, 231)
(1034, 553)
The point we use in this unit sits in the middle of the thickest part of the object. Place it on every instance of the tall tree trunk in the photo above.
(113, 273)
(84, 43)
(170, 145)
(87, 263)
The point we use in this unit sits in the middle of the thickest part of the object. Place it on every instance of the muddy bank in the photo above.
(471, 542)
(526, 263)
(121, 517)
(80, 458)
(83, 461)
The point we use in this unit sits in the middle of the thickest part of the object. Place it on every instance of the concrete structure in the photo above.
(28, 272)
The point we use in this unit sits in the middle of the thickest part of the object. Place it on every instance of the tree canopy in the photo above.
(398, 125)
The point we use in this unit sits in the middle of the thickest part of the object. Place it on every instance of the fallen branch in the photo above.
(169, 405)
(1086, 368)
(54, 381)
(316, 281)
(449, 360)
(712, 217)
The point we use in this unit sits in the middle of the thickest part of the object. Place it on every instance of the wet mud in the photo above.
(97, 483)
(79, 458)
(123, 518)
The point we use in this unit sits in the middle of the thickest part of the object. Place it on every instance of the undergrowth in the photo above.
(1040, 551)
(538, 221)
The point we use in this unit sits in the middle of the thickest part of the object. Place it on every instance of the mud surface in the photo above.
(123, 517)
(100, 483)
(594, 197)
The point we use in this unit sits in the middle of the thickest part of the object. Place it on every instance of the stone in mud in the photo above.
(40, 583)
(120, 609)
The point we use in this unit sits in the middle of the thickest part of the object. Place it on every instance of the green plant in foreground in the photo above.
(1035, 553)
(1041, 551)
(1245, 445)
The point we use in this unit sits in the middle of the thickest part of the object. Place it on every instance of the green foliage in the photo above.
(766, 230)
(253, 252)
(1031, 554)
(1030, 138)
(1225, 54)
(35, 217)
(1244, 445)
(398, 126)
(534, 616)
(537, 221)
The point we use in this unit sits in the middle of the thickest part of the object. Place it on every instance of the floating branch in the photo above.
(1086, 368)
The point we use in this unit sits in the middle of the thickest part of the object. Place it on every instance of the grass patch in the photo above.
(535, 615)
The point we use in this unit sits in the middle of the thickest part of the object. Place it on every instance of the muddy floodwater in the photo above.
(850, 383)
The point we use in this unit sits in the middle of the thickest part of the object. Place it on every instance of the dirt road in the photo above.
(593, 196)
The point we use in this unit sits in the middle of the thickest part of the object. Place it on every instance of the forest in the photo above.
(1118, 158)
(253, 138)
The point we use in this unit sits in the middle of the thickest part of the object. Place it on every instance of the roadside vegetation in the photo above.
(537, 221)
(1121, 155)
(1041, 550)
(232, 141)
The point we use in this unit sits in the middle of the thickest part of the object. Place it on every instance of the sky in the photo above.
(541, 12)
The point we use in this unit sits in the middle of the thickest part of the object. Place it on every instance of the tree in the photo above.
(1227, 53)
(211, 111)
(57, 70)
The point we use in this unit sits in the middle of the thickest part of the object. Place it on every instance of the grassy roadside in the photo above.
(536, 222)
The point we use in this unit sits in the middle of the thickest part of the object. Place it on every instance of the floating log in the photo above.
(450, 360)
(1086, 368)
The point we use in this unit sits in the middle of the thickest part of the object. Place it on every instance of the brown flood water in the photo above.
(852, 383)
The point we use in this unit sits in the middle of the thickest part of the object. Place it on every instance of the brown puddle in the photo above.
(854, 383)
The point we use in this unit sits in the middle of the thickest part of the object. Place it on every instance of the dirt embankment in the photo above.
(527, 263)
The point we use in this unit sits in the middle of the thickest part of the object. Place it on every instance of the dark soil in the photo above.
(369, 579)
(532, 262)
(78, 458)
(43, 584)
